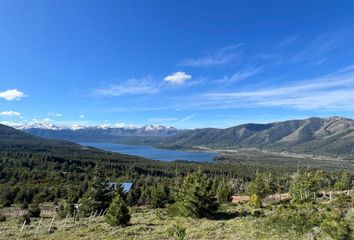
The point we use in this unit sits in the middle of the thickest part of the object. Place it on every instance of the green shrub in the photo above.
(24, 205)
(299, 218)
(255, 201)
(65, 209)
(336, 227)
(159, 197)
(34, 210)
(2, 218)
(118, 213)
(224, 193)
(23, 218)
(177, 232)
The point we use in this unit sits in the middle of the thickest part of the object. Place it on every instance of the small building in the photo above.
(126, 186)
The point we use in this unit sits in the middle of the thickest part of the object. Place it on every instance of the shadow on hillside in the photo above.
(226, 215)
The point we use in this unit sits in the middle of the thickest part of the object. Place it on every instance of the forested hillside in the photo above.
(332, 136)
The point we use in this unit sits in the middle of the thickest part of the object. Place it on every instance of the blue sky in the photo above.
(187, 64)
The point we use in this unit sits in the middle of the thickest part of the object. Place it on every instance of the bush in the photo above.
(117, 213)
(24, 205)
(299, 218)
(177, 232)
(2, 218)
(255, 201)
(65, 209)
(224, 193)
(159, 197)
(336, 227)
(23, 218)
(34, 211)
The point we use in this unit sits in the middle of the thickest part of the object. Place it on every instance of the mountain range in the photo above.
(332, 136)
(81, 133)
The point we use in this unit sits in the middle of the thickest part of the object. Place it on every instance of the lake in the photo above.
(154, 153)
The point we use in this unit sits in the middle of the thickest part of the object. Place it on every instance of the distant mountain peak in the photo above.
(80, 126)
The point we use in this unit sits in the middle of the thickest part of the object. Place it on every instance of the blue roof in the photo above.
(126, 186)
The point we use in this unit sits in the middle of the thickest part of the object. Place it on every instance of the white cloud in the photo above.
(10, 113)
(241, 75)
(323, 45)
(221, 56)
(131, 86)
(327, 92)
(167, 119)
(177, 78)
(346, 69)
(12, 94)
(55, 114)
(186, 119)
(81, 116)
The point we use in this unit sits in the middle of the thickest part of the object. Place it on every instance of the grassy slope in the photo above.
(149, 224)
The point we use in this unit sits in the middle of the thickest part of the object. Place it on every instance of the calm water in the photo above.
(154, 153)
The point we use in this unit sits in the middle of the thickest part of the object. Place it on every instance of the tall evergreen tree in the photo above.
(195, 198)
(99, 195)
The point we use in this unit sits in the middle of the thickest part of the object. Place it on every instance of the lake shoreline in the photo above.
(155, 153)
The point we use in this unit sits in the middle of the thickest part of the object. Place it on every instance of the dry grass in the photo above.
(149, 224)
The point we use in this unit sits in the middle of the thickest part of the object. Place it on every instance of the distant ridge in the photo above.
(331, 136)
(82, 133)
(328, 136)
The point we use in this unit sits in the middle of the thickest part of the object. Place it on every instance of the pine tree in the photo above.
(344, 183)
(261, 185)
(117, 213)
(133, 196)
(102, 192)
(159, 196)
(224, 192)
(195, 198)
(305, 185)
(99, 195)
(34, 211)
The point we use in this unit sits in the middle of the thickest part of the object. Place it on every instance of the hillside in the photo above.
(327, 136)
(333, 136)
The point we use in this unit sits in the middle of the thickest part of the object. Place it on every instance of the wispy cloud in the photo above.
(223, 56)
(322, 45)
(177, 78)
(330, 92)
(162, 120)
(55, 114)
(241, 75)
(10, 113)
(185, 119)
(129, 87)
(346, 69)
(12, 94)
(172, 120)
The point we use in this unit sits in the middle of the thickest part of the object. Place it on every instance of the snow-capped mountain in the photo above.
(81, 132)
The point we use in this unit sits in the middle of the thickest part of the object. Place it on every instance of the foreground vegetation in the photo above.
(235, 222)
(197, 211)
